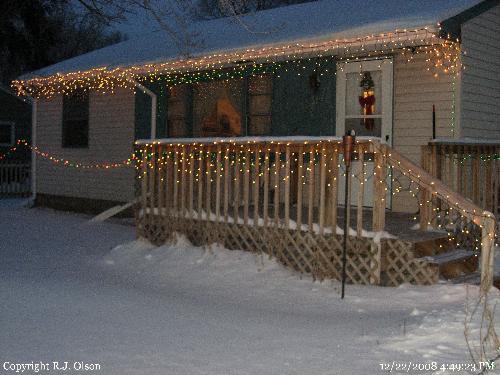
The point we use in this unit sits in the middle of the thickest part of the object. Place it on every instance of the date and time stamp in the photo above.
(435, 367)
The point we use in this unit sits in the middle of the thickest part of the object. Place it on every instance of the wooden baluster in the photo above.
(161, 182)
(488, 180)
(15, 177)
(218, 182)
(201, 163)
(277, 181)
(451, 168)
(380, 191)
(361, 191)
(428, 162)
(300, 184)
(444, 164)
(227, 180)
(310, 201)
(208, 183)
(287, 186)
(2, 177)
(322, 189)
(236, 190)
(496, 181)
(460, 169)
(246, 186)
(175, 179)
(9, 178)
(152, 192)
(265, 207)
(167, 192)
(183, 181)
(334, 186)
(144, 187)
(256, 187)
(475, 176)
(191, 181)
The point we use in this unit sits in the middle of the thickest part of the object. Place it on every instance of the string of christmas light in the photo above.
(244, 63)
(242, 160)
(12, 149)
(68, 163)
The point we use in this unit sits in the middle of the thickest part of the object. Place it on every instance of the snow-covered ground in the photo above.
(77, 291)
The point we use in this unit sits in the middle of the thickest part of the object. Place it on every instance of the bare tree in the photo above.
(228, 8)
(37, 33)
(479, 331)
(175, 16)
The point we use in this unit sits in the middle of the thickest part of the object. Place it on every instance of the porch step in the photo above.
(471, 278)
(474, 279)
(452, 264)
(450, 257)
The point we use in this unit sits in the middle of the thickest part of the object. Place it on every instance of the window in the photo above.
(75, 132)
(178, 125)
(7, 136)
(364, 98)
(218, 108)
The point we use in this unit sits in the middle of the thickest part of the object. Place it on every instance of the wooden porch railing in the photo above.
(290, 183)
(469, 168)
(443, 208)
(14, 178)
(281, 197)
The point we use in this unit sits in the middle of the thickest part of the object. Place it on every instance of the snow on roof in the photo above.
(308, 22)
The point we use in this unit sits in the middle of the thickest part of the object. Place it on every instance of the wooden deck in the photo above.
(281, 198)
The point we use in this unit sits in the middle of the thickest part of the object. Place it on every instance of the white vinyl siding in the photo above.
(111, 137)
(481, 76)
(415, 91)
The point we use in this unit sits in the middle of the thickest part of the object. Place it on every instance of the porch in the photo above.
(284, 197)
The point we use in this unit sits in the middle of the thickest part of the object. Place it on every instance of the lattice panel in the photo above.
(304, 252)
(400, 266)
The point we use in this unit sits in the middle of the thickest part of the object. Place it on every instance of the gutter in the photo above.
(34, 120)
(154, 102)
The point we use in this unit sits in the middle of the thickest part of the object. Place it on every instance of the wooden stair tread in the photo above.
(416, 236)
(473, 278)
(449, 256)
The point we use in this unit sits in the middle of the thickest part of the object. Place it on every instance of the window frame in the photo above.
(12, 133)
(67, 120)
(386, 66)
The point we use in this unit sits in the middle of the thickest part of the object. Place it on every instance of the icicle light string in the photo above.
(442, 54)
(445, 216)
(150, 157)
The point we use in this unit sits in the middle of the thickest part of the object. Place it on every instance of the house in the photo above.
(15, 121)
(314, 69)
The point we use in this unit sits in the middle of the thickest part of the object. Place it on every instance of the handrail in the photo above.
(249, 140)
(468, 167)
(482, 218)
(442, 191)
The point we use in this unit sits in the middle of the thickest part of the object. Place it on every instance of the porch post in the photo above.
(380, 191)
(488, 230)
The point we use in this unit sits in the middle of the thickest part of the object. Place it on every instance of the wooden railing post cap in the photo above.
(349, 141)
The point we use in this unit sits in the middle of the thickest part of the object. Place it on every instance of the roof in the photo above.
(309, 22)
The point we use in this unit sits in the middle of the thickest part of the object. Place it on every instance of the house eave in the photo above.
(451, 28)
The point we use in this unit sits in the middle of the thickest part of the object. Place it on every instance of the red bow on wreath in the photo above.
(367, 100)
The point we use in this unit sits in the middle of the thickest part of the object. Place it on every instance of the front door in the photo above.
(364, 104)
